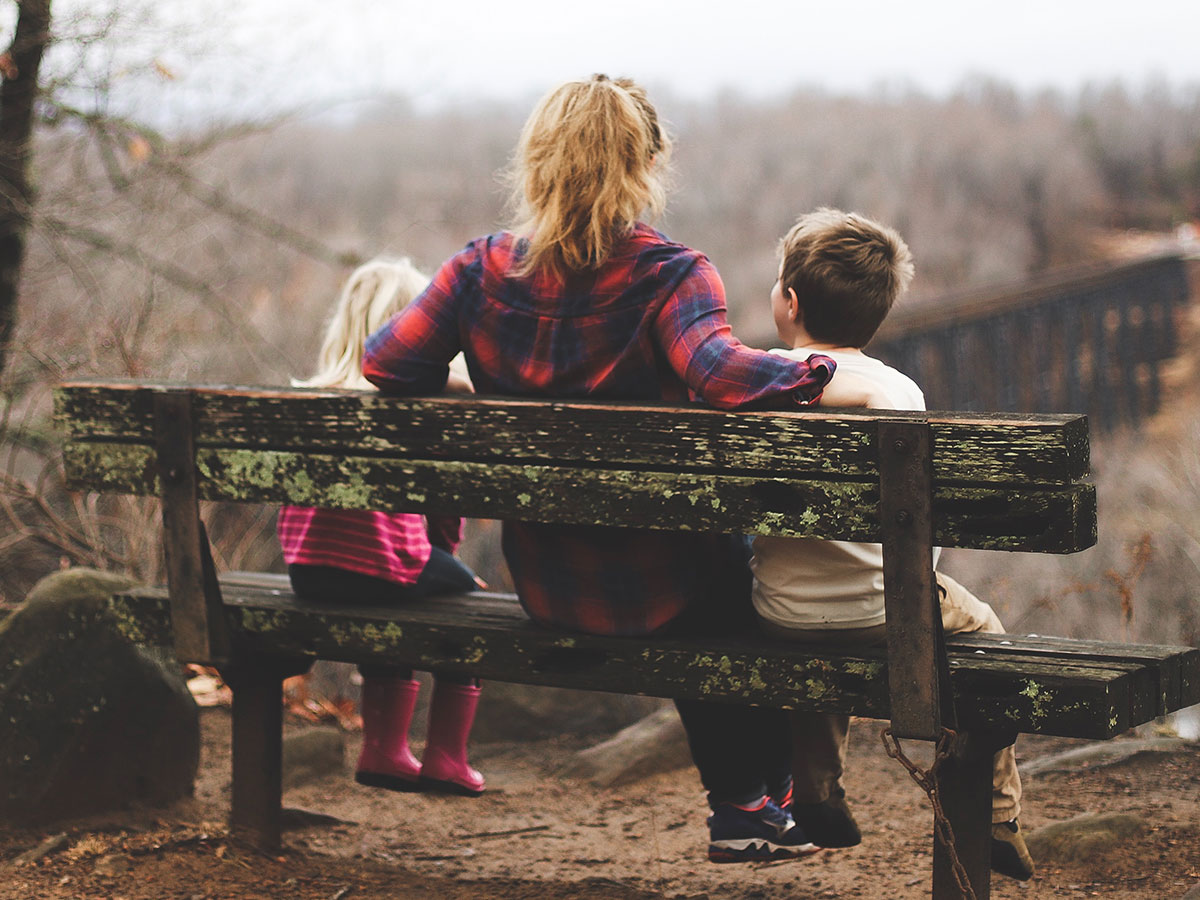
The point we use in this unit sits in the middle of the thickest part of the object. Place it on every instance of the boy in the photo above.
(839, 276)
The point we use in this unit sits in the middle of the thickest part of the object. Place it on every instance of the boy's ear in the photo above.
(793, 305)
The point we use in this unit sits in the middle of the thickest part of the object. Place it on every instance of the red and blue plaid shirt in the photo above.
(650, 324)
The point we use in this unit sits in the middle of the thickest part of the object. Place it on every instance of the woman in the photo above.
(581, 299)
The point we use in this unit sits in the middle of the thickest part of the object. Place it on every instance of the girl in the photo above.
(336, 555)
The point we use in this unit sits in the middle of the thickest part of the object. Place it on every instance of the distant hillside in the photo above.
(988, 186)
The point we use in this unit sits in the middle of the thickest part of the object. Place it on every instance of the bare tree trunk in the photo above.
(19, 66)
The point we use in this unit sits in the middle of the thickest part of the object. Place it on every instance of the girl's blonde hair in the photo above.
(372, 295)
(591, 160)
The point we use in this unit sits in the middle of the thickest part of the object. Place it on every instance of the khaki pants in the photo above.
(819, 740)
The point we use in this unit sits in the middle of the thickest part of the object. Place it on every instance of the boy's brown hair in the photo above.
(847, 271)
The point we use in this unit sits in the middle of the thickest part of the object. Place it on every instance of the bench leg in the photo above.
(965, 788)
(258, 749)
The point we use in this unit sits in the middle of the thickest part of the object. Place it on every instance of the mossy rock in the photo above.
(90, 722)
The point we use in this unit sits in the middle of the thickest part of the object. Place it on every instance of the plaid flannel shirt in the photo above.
(650, 324)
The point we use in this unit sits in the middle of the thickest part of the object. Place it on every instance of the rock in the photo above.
(518, 712)
(1183, 723)
(1102, 754)
(312, 754)
(78, 584)
(655, 744)
(1193, 893)
(1083, 838)
(91, 722)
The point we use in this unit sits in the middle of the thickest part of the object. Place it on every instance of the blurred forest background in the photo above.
(211, 251)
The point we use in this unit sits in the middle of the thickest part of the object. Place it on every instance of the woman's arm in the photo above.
(411, 354)
(694, 332)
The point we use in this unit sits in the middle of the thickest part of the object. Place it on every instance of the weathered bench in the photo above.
(910, 481)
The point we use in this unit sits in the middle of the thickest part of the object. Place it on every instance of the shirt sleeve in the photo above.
(694, 332)
(411, 353)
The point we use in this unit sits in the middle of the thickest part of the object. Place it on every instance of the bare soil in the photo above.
(535, 834)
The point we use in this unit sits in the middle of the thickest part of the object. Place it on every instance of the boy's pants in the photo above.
(819, 740)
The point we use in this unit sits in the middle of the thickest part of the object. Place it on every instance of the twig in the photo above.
(511, 831)
(52, 844)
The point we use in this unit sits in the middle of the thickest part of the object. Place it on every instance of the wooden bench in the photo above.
(909, 481)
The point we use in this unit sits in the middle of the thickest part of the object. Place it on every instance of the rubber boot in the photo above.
(387, 711)
(444, 766)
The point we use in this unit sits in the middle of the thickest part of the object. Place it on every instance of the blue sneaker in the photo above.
(755, 833)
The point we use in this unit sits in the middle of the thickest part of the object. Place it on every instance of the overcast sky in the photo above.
(240, 53)
(461, 49)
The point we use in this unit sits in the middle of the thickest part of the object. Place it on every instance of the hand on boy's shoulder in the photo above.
(850, 389)
(861, 380)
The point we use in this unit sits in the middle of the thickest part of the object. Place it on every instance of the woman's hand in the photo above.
(848, 389)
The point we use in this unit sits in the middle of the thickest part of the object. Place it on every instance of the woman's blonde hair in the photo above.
(374, 292)
(591, 160)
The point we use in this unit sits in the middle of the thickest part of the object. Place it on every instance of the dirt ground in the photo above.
(534, 834)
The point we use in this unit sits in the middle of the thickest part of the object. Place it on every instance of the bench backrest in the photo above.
(1000, 482)
(906, 480)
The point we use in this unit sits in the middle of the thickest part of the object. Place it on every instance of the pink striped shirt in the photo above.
(391, 546)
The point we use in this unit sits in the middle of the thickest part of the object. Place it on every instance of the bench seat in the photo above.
(1005, 683)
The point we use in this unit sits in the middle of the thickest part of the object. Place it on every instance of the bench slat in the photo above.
(1178, 667)
(1046, 519)
(968, 447)
(1157, 671)
(488, 636)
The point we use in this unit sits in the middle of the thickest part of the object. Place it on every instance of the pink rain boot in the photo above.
(387, 710)
(451, 714)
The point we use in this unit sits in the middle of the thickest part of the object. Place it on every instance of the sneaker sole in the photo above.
(756, 850)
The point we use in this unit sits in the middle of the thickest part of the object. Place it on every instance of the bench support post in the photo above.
(922, 702)
(258, 747)
(965, 788)
(918, 672)
(197, 613)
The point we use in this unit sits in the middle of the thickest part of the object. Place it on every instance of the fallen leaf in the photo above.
(138, 148)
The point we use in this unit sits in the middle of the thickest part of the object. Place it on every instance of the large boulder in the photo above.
(91, 722)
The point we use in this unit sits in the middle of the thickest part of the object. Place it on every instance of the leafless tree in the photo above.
(19, 66)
